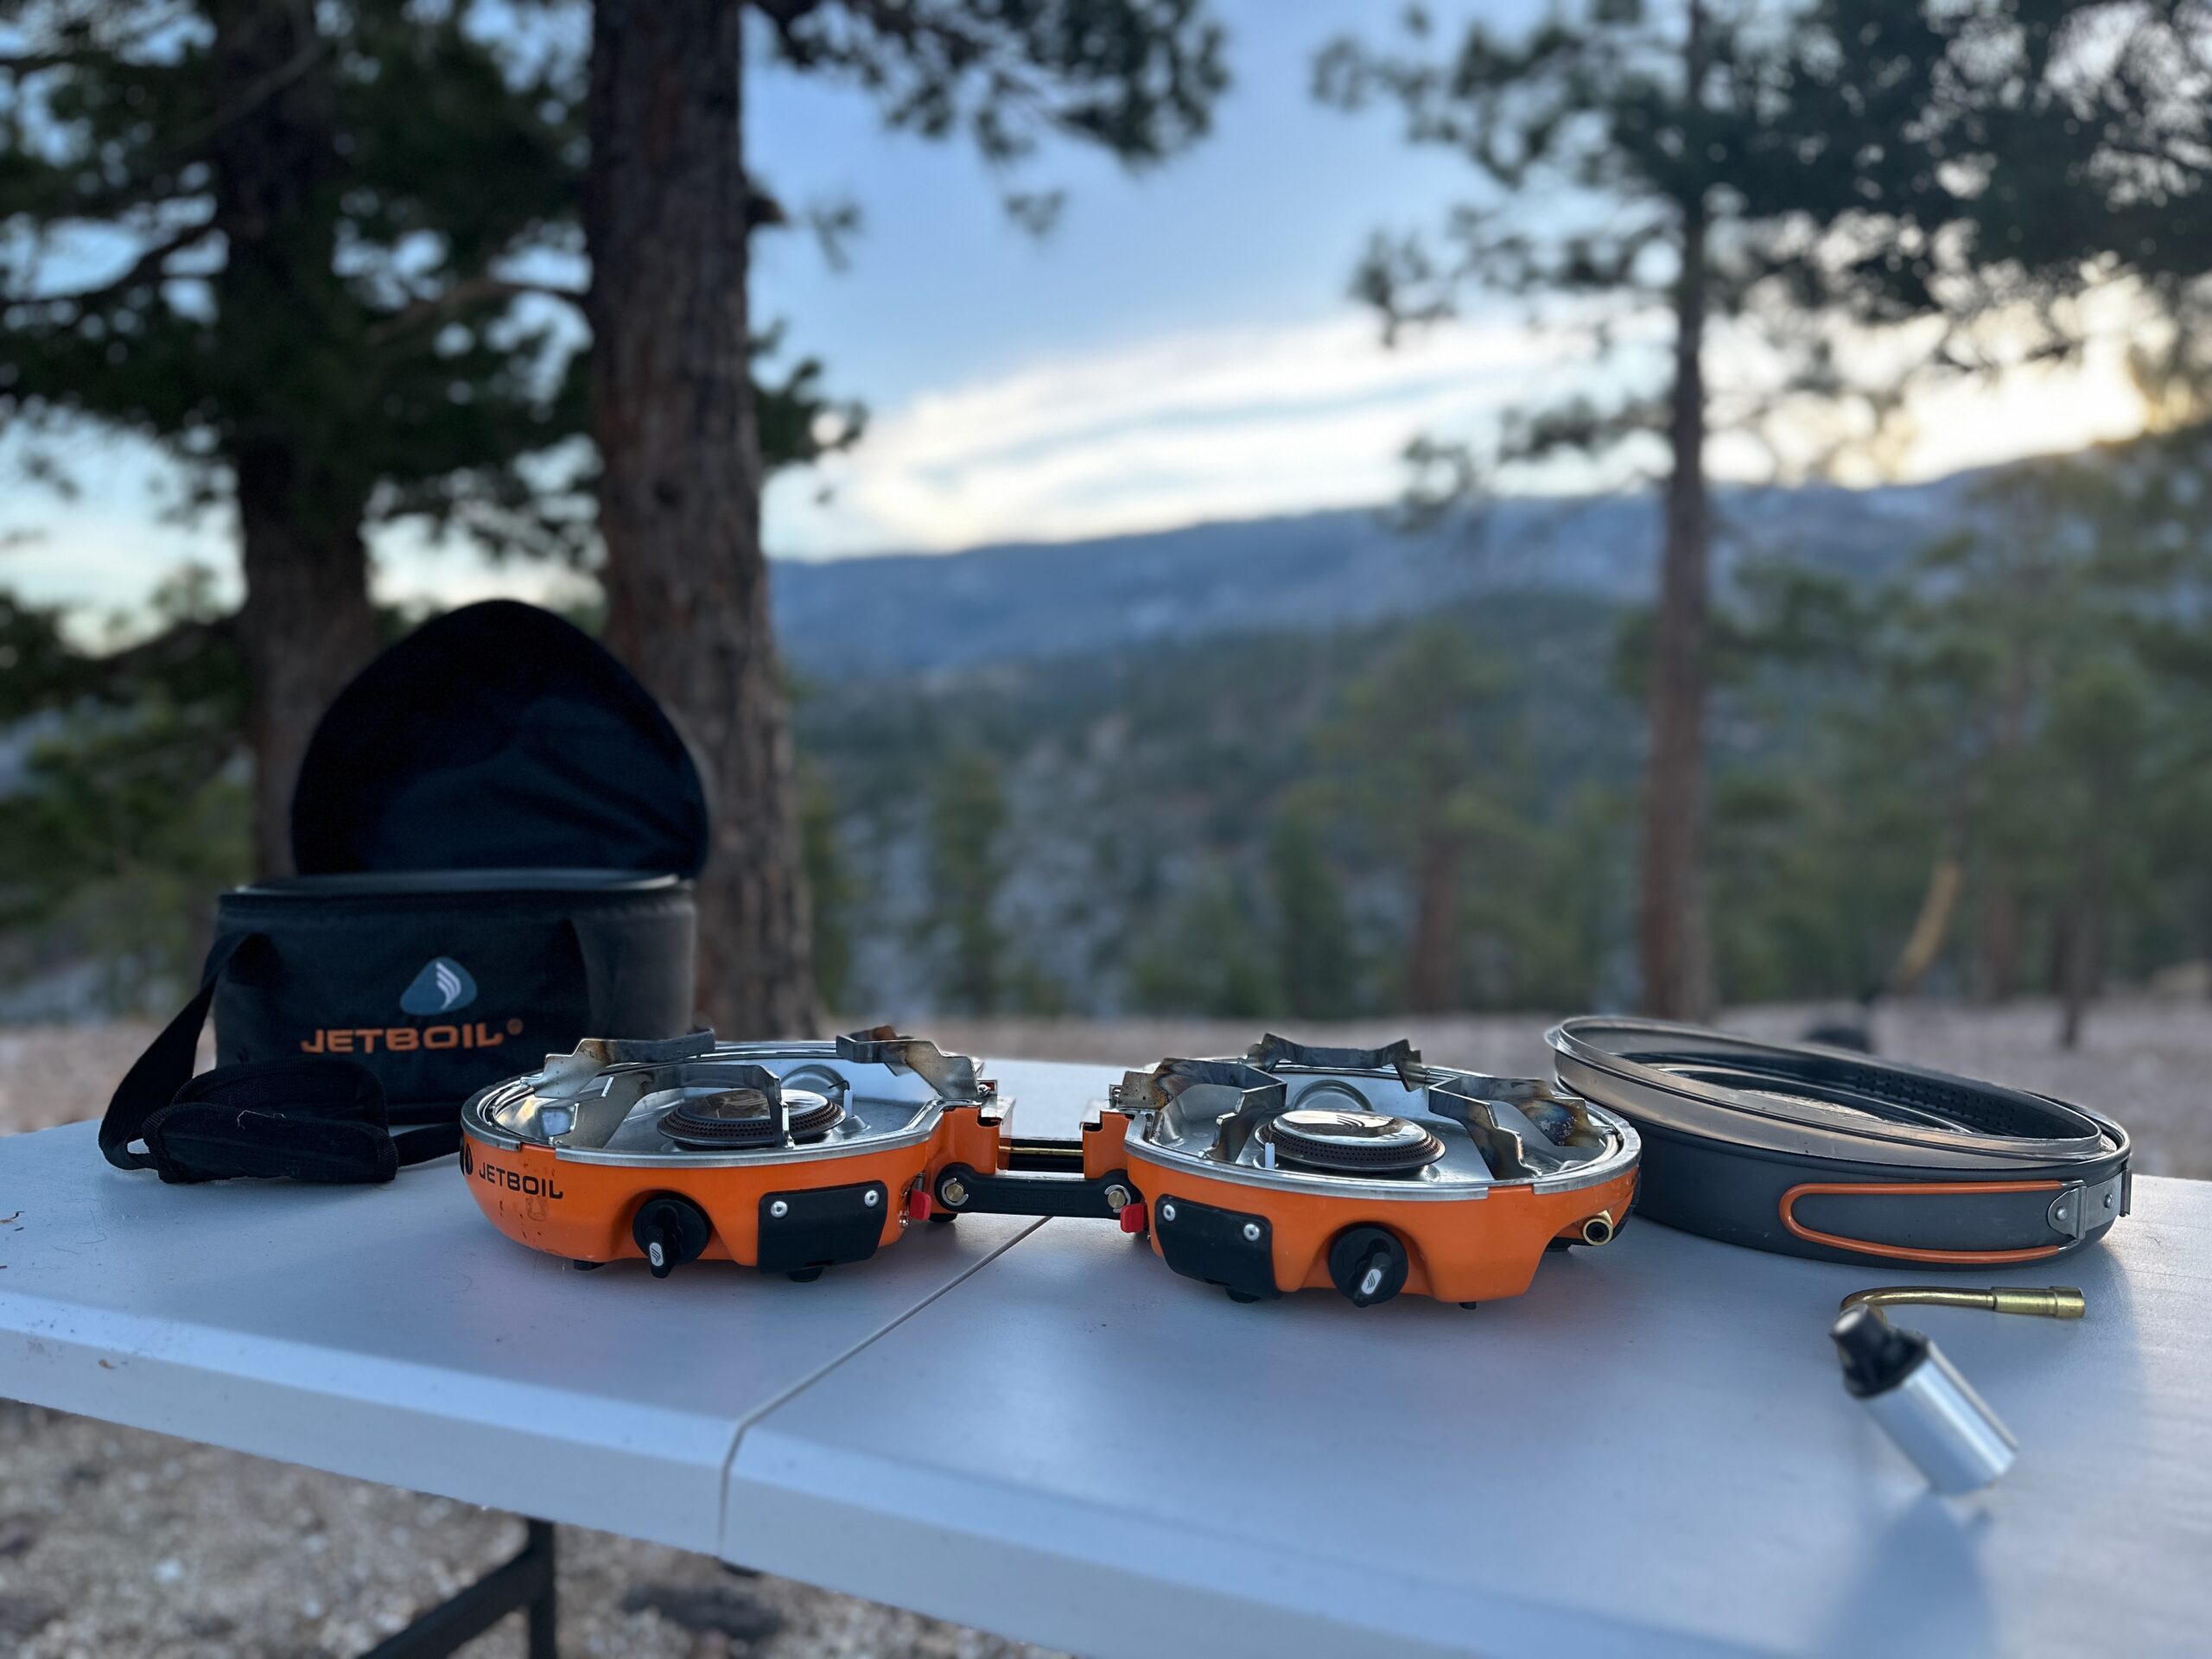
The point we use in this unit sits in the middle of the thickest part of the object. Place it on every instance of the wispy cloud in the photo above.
(1166, 431)
(1235, 424)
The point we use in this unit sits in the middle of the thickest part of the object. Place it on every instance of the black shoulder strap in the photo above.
(309, 1119)
(166, 1066)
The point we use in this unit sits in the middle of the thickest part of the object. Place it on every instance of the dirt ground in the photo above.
(115, 1542)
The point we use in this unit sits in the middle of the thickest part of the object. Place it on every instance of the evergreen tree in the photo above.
(120, 813)
(2097, 733)
(1207, 955)
(280, 241)
(1548, 915)
(668, 210)
(1998, 734)
(1317, 962)
(967, 818)
(1420, 746)
(830, 883)
(303, 250)
(1862, 163)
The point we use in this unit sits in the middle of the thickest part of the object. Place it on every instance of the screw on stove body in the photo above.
(780, 1209)
(954, 1191)
(871, 1198)
(1167, 1212)
(1252, 1231)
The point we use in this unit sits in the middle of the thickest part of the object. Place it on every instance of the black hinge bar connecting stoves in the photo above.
(524, 1584)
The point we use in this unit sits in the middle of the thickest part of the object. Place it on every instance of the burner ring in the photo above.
(744, 1116)
(1340, 1142)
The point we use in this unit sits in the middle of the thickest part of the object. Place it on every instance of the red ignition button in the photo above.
(1133, 1216)
(918, 1205)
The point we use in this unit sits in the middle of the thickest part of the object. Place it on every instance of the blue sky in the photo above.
(1181, 346)
(1257, 224)
(954, 325)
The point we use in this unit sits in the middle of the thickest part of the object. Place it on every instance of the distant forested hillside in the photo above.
(1139, 828)
(1319, 766)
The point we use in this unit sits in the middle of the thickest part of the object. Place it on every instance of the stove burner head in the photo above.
(741, 1117)
(1341, 1142)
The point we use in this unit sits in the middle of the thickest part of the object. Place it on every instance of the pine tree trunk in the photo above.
(1432, 960)
(1670, 925)
(1933, 922)
(1999, 941)
(2081, 939)
(2000, 944)
(2204, 951)
(306, 626)
(679, 494)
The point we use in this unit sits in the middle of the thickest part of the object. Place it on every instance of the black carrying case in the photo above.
(495, 827)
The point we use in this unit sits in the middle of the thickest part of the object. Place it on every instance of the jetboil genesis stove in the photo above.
(1291, 1168)
(1363, 1169)
(788, 1157)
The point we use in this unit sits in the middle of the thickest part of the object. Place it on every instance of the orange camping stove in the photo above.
(1293, 1167)
(1297, 1168)
(788, 1157)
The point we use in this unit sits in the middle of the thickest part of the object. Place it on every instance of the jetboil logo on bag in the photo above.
(443, 987)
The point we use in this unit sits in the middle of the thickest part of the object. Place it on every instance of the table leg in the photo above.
(543, 1606)
(524, 1584)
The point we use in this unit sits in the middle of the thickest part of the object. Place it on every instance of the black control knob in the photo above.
(671, 1231)
(1368, 1264)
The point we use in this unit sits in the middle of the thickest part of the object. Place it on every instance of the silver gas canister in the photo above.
(1929, 1411)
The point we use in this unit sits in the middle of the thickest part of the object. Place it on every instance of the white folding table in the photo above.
(1036, 1427)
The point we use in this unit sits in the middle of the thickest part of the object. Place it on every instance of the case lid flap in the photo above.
(498, 736)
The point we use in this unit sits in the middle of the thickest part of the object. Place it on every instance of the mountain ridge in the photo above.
(887, 615)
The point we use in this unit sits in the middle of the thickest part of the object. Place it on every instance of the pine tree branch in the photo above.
(783, 14)
(941, 42)
(96, 46)
(178, 645)
(34, 63)
(147, 268)
(252, 98)
(470, 291)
